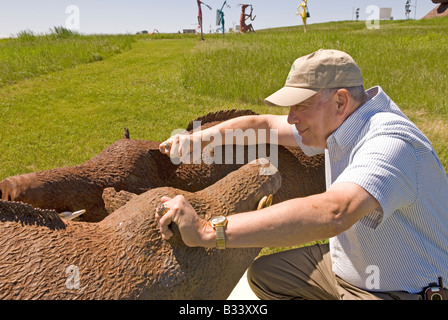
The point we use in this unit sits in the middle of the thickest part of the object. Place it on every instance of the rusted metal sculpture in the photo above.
(244, 28)
(200, 15)
(114, 250)
(123, 256)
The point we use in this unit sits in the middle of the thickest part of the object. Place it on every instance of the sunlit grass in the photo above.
(404, 57)
(29, 55)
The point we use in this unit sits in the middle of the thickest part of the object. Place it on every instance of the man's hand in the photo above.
(194, 230)
(177, 146)
(185, 147)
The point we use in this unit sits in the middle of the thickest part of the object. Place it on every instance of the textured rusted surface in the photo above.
(137, 166)
(123, 256)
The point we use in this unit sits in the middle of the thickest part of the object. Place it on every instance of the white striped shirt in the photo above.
(402, 247)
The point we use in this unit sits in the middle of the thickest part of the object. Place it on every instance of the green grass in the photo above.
(31, 55)
(404, 57)
(64, 97)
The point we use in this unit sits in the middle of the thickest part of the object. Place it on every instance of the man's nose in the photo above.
(292, 118)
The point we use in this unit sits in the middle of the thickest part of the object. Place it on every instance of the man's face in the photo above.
(315, 119)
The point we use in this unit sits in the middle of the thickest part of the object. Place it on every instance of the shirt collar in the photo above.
(350, 129)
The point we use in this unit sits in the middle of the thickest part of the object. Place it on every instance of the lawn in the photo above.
(65, 97)
(30, 55)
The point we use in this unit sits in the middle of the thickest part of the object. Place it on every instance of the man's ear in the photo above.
(342, 100)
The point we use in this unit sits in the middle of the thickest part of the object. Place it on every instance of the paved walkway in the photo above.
(242, 290)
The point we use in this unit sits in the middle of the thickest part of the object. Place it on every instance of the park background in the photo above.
(65, 95)
(132, 16)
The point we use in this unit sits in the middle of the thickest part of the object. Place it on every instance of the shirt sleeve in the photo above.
(386, 167)
(309, 151)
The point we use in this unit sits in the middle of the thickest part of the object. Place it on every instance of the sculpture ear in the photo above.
(114, 200)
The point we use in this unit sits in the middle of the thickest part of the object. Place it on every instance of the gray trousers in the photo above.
(306, 274)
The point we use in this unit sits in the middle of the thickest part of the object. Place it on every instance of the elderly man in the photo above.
(384, 211)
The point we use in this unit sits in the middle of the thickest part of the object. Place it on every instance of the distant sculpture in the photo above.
(303, 12)
(200, 15)
(243, 26)
(407, 8)
(220, 18)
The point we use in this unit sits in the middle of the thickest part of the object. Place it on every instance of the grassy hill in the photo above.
(57, 109)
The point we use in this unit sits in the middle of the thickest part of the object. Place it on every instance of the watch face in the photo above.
(217, 219)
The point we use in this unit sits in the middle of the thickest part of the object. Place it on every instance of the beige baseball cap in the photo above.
(311, 73)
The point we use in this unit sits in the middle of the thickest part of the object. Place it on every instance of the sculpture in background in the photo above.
(407, 8)
(200, 15)
(220, 18)
(243, 26)
(303, 12)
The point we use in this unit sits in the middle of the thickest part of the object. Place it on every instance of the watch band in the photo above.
(219, 223)
(220, 237)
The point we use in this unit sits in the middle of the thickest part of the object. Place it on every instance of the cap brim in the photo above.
(290, 96)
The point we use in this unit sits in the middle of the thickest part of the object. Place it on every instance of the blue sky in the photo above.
(130, 16)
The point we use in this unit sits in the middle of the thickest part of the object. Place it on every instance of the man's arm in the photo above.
(176, 145)
(289, 223)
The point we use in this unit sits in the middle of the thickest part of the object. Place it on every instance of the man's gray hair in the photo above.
(357, 93)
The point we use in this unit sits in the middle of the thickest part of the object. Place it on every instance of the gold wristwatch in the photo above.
(219, 223)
